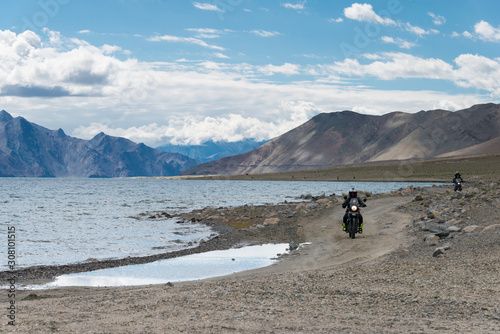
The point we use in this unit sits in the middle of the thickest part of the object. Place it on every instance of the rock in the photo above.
(271, 221)
(300, 206)
(407, 190)
(452, 222)
(324, 201)
(439, 221)
(418, 223)
(419, 198)
(454, 229)
(312, 206)
(292, 246)
(431, 239)
(470, 228)
(430, 214)
(438, 251)
(433, 228)
(442, 234)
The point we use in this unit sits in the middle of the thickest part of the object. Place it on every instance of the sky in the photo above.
(184, 72)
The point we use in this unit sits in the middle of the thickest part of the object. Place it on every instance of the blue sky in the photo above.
(187, 71)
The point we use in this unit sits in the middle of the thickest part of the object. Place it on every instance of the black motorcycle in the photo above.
(457, 184)
(353, 218)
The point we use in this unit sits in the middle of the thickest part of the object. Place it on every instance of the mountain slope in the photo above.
(347, 137)
(30, 150)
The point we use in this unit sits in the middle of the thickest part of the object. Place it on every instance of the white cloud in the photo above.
(337, 20)
(478, 72)
(189, 40)
(437, 19)
(85, 31)
(110, 49)
(397, 65)
(209, 32)
(193, 130)
(286, 69)
(471, 71)
(207, 6)
(487, 32)
(364, 13)
(419, 31)
(295, 6)
(69, 83)
(264, 33)
(467, 34)
(403, 44)
(220, 55)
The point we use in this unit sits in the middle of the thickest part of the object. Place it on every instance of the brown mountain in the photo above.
(340, 138)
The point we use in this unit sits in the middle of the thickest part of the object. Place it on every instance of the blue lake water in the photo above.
(60, 221)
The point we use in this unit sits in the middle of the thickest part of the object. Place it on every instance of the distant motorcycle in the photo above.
(353, 218)
(457, 184)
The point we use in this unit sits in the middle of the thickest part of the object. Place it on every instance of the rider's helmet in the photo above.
(353, 193)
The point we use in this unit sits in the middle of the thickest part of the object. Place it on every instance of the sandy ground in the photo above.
(384, 281)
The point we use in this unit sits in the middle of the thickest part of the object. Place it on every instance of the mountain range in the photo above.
(211, 150)
(346, 137)
(30, 150)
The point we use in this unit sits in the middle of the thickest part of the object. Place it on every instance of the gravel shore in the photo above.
(427, 262)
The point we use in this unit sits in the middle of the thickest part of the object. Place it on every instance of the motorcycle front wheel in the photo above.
(353, 228)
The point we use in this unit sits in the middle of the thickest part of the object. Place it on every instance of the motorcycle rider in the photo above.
(352, 194)
(457, 179)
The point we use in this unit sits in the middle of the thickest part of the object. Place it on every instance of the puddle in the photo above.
(186, 268)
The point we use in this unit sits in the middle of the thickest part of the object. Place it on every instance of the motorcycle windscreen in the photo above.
(354, 201)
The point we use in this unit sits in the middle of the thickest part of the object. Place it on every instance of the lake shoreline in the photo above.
(233, 226)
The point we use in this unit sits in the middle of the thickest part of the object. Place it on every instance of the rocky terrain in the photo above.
(345, 138)
(427, 262)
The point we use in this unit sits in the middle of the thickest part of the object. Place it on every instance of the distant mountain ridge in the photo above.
(30, 150)
(210, 150)
(341, 138)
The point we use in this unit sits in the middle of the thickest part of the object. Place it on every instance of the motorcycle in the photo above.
(353, 218)
(457, 185)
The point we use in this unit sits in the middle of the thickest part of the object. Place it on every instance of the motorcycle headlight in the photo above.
(354, 208)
